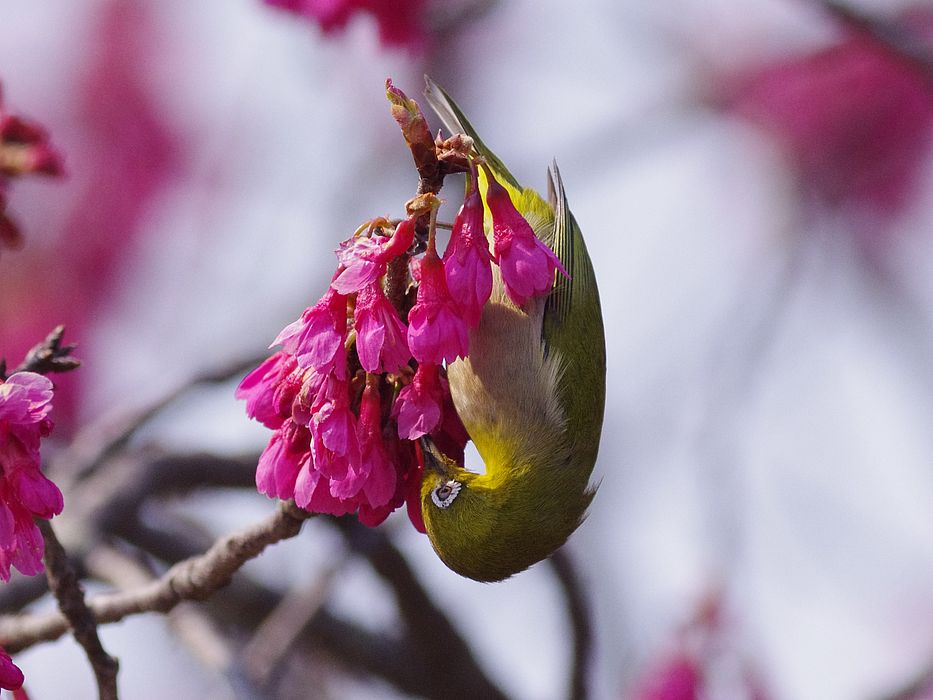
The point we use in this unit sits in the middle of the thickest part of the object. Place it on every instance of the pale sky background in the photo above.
(769, 408)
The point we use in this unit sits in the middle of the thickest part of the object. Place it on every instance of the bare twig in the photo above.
(108, 503)
(580, 621)
(398, 657)
(275, 637)
(70, 596)
(48, 356)
(192, 579)
(414, 126)
(191, 623)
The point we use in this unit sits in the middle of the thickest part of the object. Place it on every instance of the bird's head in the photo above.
(488, 529)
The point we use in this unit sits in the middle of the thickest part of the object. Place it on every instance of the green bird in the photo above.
(531, 395)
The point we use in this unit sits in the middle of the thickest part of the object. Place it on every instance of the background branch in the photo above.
(192, 579)
(578, 610)
(70, 596)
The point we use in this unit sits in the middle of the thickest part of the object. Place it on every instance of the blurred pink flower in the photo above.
(855, 118)
(121, 153)
(11, 678)
(436, 330)
(676, 678)
(25, 493)
(527, 264)
(401, 22)
(467, 262)
(24, 150)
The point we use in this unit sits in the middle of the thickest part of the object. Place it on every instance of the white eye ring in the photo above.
(445, 494)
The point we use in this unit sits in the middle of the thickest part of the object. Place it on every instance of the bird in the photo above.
(531, 395)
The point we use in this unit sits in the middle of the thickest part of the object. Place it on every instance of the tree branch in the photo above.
(70, 596)
(192, 579)
(436, 640)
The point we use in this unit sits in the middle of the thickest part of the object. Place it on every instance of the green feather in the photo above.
(531, 395)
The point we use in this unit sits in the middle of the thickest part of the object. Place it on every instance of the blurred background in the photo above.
(755, 183)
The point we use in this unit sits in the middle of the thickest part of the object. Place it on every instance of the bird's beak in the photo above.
(433, 459)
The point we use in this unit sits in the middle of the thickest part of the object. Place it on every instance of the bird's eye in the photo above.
(445, 494)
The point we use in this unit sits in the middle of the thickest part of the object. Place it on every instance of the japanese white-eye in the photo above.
(531, 396)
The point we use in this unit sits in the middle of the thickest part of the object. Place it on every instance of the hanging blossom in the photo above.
(467, 263)
(25, 493)
(354, 387)
(24, 150)
(526, 263)
(437, 329)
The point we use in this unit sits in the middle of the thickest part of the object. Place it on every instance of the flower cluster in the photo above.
(25, 493)
(354, 386)
(24, 148)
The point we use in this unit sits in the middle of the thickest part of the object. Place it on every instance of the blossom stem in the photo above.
(432, 232)
(440, 224)
(64, 584)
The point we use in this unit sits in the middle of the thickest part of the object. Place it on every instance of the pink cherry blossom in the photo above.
(436, 330)
(527, 264)
(334, 441)
(11, 678)
(401, 456)
(419, 405)
(379, 486)
(25, 493)
(380, 334)
(360, 259)
(312, 492)
(467, 262)
(286, 454)
(364, 258)
(269, 389)
(318, 338)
